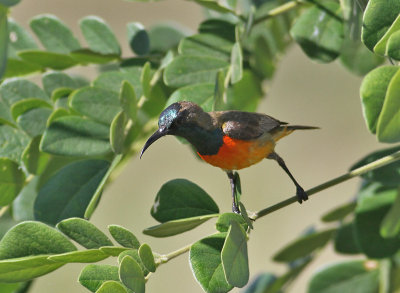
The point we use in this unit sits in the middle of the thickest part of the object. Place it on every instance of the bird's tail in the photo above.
(300, 127)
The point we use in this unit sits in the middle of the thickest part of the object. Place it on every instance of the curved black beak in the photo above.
(156, 135)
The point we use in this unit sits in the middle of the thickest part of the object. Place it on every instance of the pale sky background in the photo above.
(302, 92)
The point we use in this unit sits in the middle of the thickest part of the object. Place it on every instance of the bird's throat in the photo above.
(206, 142)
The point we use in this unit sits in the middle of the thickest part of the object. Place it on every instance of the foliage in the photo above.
(71, 130)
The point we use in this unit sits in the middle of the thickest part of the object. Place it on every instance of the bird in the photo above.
(231, 140)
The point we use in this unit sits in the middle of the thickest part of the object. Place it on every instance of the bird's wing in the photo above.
(246, 125)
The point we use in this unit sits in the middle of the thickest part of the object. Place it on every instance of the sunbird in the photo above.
(230, 140)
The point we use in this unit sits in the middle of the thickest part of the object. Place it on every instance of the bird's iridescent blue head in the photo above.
(167, 123)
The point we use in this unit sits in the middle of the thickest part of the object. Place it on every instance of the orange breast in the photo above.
(237, 154)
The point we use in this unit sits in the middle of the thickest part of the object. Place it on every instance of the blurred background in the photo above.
(302, 92)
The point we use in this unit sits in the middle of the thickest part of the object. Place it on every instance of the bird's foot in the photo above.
(301, 194)
(235, 208)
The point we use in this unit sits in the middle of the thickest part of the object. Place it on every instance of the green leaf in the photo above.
(34, 121)
(304, 246)
(20, 287)
(124, 236)
(99, 35)
(393, 46)
(135, 255)
(53, 60)
(373, 91)
(138, 38)
(369, 215)
(174, 227)
(93, 276)
(75, 136)
(379, 16)
(85, 56)
(96, 103)
(219, 91)
(17, 67)
(179, 199)
(117, 132)
(187, 69)
(131, 275)
(388, 175)
(224, 221)
(14, 141)
(26, 268)
(54, 34)
(20, 39)
(243, 210)
(96, 197)
(381, 46)
(236, 63)
(11, 181)
(145, 79)
(234, 256)
(57, 201)
(358, 59)
(85, 256)
(112, 80)
(4, 37)
(207, 45)
(127, 99)
(214, 5)
(339, 213)
(205, 261)
(164, 37)
(33, 238)
(55, 80)
(147, 257)
(390, 226)
(319, 31)
(113, 250)
(84, 232)
(14, 90)
(22, 106)
(111, 287)
(387, 128)
(345, 240)
(23, 205)
(351, 276)
(202, 94)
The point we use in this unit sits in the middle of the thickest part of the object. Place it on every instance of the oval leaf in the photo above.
(339, 213)
(57, 201)
(117, 132)
(345, 240)
(352, 276)
(234, 256)
(99, 35)
(174, 227)
(147, 257)
(180, 198)
(93, 276)
(131, 275)
(304, 246)
(138, 38)
(54, 34)
(111, 287)
(124, 236)
(85, 256)
(33, 238)
(14, 141)
(84, 232)
(14, 90)
(75, 136)
(205, 260)
(187, 69)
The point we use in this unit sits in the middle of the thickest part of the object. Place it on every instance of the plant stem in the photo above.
(356, 172)
(279, 10)
(172, 255)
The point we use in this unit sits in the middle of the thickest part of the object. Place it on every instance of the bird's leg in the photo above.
(232, 180)
(300, 193)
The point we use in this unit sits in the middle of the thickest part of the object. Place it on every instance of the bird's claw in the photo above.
(301, 194)
(235, 208)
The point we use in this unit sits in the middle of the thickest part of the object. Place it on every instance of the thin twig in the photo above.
(356, 172)
(278, 10)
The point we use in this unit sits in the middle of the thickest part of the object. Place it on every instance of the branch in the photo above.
(279, 10)
(167, 257)
(356, 172)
